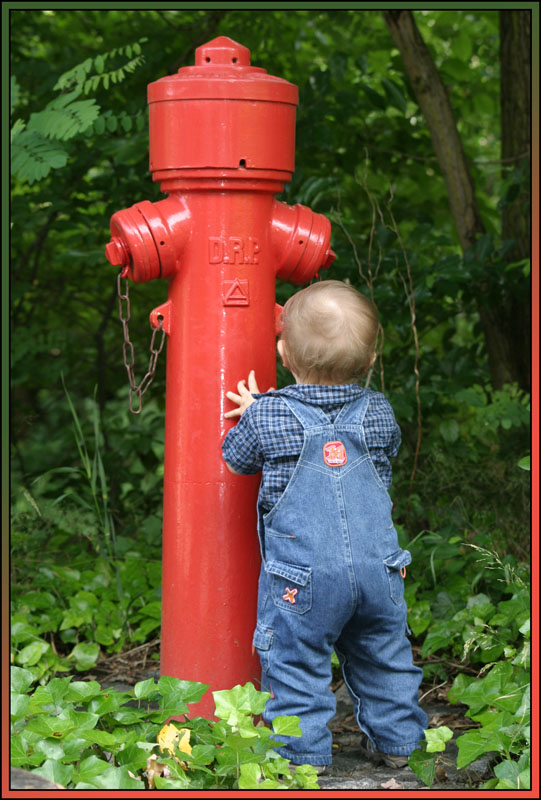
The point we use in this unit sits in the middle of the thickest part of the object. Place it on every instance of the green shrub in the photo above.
(497, 634)
(86, 737)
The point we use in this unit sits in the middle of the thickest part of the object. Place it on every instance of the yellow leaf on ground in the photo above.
(171, 736)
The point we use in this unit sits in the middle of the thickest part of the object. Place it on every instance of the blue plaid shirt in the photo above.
(269, 437)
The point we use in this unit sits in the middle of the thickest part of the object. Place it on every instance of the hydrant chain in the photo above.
(127, 348)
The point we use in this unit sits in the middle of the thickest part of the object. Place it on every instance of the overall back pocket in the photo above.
(290, 586)
(395, 566)
(262, 642)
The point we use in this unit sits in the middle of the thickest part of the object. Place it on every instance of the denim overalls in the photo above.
(331, 578)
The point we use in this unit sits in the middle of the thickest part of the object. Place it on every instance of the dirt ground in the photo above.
(350, 770)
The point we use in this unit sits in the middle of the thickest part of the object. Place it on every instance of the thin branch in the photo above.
(410, 295)
(38, 241)
(461, 667)
(508, 160)
(369, 279)
(36, 247)
(432, 159)
(116, 656)
(167, 21)
(370, 284)
(422, 697)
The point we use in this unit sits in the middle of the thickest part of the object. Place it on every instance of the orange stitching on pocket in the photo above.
(289, 595)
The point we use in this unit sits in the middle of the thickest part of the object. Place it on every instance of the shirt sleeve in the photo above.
(241, 448)
(395, 436)
(383, 435)
(385, 428)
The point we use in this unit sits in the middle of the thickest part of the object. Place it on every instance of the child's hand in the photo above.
(244, 397)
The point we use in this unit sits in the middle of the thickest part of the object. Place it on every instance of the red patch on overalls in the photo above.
(290, 595)
(334, 454)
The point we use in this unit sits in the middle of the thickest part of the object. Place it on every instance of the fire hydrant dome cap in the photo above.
(222, 71)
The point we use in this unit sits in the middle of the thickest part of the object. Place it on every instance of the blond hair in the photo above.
(329, 333)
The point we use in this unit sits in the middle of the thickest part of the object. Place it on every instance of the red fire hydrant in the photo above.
(222, 136)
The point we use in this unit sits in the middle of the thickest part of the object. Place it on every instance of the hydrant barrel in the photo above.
(222, 140)
(222, 326)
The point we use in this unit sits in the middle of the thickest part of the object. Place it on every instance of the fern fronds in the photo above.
(33, 156)
(62, 119)
(80, 77)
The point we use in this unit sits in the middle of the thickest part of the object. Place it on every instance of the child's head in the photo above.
(329, 334)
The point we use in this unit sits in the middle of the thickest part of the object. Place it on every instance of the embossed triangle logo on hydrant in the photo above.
(235, 293)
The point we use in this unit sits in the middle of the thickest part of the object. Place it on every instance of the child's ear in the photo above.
(372, 359)
(281, 352)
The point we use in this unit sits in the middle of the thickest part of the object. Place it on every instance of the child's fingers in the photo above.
(235, 413)
(236, 398)
(252, 383)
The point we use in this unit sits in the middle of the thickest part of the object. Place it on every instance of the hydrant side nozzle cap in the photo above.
(330, 256)
(115, 253)
(223, 51)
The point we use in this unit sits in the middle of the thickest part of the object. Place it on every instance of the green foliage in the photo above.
(64, 117)
(32, 155)
(63, 617)
(498, 698)
(66, 608)
(94, 473)
(80, 77)
(486, 411)
(469, 463)
(423, 760)
(89, 506)
(86, 737)
(481, 631)
(499, 702)
(465, 602)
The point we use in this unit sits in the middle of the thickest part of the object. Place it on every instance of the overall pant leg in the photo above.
(295, 645)
(377, 664)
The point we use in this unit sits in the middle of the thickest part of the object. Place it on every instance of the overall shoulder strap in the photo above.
(308, 415)
(353, 413)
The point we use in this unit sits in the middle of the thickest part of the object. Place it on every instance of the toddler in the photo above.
(332, 572)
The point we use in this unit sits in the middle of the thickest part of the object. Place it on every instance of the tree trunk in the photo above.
(515, 81)
(515, 76)
(434, 102)
(501, 322)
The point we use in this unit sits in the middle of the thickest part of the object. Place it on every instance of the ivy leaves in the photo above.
(83, 736)
(498, 699)
(88, 615)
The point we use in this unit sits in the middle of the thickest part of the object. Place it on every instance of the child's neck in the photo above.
(299, 382)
